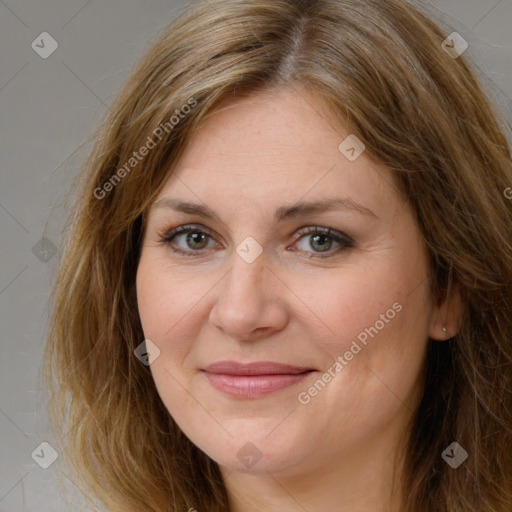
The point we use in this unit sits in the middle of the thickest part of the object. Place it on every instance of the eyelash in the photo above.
(345, 241)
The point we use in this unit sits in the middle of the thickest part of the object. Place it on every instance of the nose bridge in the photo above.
(248, 263)
(245, 281)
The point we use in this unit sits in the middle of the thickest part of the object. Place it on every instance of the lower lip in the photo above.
(253, 386)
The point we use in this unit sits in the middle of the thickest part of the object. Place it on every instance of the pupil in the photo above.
(194, 237)
(324, 237)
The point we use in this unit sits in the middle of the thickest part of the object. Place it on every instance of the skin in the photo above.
(257, 154)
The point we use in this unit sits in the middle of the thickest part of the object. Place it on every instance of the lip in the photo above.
(254, 380)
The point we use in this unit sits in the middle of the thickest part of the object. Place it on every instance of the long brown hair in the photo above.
(381, 67)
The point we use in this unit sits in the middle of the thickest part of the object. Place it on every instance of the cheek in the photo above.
(172, 315)
(376, 319)
(163, 299)
(152, 301)
(346, 305)
(376, 355)
(164, 304)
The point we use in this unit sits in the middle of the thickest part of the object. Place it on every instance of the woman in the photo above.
(287, 281)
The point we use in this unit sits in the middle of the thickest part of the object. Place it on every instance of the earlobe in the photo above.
(440, 332)
(446, 315)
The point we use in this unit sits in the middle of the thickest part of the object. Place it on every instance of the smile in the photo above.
(253, 380)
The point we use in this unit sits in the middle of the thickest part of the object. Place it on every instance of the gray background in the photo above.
(48, 108)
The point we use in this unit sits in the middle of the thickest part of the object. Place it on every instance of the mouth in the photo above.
(254, 380)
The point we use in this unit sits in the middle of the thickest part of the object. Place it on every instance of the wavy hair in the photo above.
(381, 68)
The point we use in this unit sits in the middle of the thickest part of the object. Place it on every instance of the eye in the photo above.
(191, 239)
(187, 239)
(321, 240)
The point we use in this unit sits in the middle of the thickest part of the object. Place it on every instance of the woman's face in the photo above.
(284, 348)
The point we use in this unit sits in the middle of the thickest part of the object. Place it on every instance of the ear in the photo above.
(446, 313)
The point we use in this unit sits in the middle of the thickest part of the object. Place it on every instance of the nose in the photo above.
(249, 306)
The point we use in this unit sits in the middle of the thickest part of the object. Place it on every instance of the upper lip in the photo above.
(256, 368)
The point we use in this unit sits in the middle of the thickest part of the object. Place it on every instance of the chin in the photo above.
(255, 454)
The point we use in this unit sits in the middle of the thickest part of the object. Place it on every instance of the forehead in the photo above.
(274, 126)
(274, 148)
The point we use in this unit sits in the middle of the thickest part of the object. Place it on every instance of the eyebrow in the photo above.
(282, 213)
